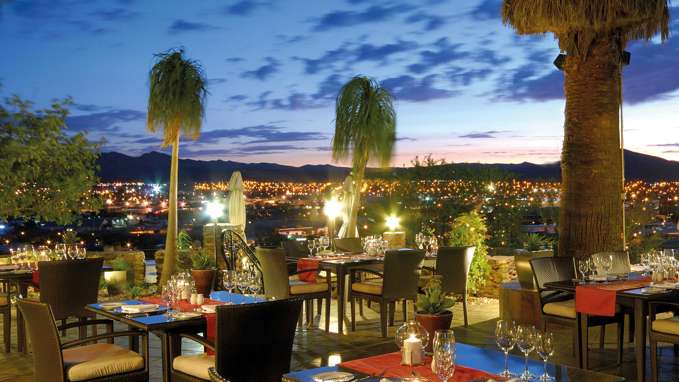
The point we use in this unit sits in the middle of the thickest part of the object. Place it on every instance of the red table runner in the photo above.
(390, 365)
(307, 264)
(600, 299)
(186, 306)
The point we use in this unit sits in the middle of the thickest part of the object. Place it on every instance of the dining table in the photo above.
(20, 279)
(165, 326)
(474, 362)
(636, 299)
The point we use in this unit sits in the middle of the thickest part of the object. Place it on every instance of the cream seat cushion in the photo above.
(3, 300)
(100, 360)
(196, 365)
(667, 326)
(301, 287)
(564, 309)
(369, 287)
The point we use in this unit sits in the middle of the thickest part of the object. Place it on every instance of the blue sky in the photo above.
(467, 88)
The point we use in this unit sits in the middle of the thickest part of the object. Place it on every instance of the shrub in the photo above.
(469, 230)
(536, 242)
(202, 259)
(120, 264)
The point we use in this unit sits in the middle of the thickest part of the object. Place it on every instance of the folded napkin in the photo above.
(139, 308)
(209, 308)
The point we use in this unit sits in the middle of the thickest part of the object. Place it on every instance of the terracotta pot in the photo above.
(203, 279)
(434, 322)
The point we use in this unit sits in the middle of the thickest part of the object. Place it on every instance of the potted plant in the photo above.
(117, 277)
(203, 271)
(432, 309)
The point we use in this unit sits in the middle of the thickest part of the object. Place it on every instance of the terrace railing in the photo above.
(236, 253)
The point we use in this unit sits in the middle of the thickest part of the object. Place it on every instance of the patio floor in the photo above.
(314, 348)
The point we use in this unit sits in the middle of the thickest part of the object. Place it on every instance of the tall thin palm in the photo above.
(593, 35)
(177, 93)
(365, 129)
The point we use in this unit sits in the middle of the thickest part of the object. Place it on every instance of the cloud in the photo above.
(216, 81)
(181, 26)
(429, 22)
(408, 88)
(115, 14)
(236, 98)
(323, 97)
(265, 71)
(265, 133)
(244, 7)
(442, 52)
(249, 150)
(234, 59)
(89, 107)
(105, 121)
(528, 83)
(487, 10)
(666, 145)
(372, 14)
(482, 134)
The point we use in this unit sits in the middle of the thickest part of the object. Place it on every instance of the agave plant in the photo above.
(433, 300)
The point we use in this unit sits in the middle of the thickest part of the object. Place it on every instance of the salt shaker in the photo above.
(199, 299)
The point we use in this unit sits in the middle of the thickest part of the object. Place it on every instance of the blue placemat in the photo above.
(235, 298)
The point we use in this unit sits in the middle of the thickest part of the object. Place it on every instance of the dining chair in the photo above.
(6, 312)
(68, 286)
(398, 281)
(253, 343)
(453, 263)
(82, 359)
(280, 283)
(349, 244)
(661, 330)
(559, 307)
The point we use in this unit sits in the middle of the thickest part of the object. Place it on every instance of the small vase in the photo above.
(203, 279)
(434, 322)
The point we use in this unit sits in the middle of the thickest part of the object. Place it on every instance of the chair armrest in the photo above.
(196, 338)
(214, 375)
(653, 307)
(365, 270)
(85, 323)
(86, 340)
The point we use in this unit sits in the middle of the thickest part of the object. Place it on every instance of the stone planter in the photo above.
(115, 277)
(434, 322)
(203, 279)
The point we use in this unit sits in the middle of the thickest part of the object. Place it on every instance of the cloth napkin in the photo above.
(307, 264)
(139, 308)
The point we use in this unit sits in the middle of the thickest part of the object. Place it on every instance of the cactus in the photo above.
(433, 300)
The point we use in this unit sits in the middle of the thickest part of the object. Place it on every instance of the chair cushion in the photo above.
(369, 287)
(196, 365)
(301, 287)
(3, 300)
(99, 360)
(667, 326)
(564, 309)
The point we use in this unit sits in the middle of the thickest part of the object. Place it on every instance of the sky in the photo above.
(466, 87)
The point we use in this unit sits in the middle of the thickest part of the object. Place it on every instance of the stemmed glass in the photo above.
(444, 354)
(525, 341)
(311, 244)
(545, 348)
(606, 264)
(242, 282)
(325, 242)
(506, 340)
(254, 283)
(583, 268)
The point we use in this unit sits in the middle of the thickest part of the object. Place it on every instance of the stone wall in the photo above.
(502, 269)
(134, 258)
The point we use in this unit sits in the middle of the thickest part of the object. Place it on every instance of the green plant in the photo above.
(176, 106)
(433, 300)
(536, 242)
(120, 264)
(70, 237)
(469, 230)
(203, 259)
(184, 241)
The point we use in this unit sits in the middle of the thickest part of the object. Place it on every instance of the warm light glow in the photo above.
(393, 222)
(334, 359)
(332, 208)
(214, 209)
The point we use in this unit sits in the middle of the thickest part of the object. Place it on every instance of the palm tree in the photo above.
(365, 128)
(593, 35)
(177, 92)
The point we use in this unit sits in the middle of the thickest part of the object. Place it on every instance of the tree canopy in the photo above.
(45, 173)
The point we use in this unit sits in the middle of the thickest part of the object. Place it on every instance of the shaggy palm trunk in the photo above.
(355, 204)
(591, 213)
(171, 237)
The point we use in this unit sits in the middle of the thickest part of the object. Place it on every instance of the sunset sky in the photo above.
(466, 87)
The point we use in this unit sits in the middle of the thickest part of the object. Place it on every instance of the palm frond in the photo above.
(365, 123)
(177, 93)
(577, 22)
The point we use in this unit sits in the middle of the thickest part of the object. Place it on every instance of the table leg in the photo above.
(166, 355)
(341, 273)
(22, 345)
(133, 340)
(640, 313)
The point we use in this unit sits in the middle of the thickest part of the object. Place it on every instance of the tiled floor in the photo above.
(313, 347)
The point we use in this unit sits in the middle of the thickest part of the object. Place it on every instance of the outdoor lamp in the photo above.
(332, 208)
(393, 222)
(395, 239)
(214, 209)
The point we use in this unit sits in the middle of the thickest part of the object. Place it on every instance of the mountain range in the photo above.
(154, 167)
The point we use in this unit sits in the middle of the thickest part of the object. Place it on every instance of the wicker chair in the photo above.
(663, 330)
(83, 359)
(453, 264)
(254, 343)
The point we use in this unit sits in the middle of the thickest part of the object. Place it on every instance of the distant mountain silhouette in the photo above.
(155, 167)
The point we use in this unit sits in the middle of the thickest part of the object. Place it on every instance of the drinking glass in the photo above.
(545, 349)
(583, 268)
(606, 264)
(506, 340)
(228, 280)
(525, 341)
(254, 283)
(311, 244)
(242, 282)
(444, 354)
(325, 242)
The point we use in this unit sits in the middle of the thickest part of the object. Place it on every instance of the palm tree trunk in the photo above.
(591, 213)
(355, 203)
(171, 238)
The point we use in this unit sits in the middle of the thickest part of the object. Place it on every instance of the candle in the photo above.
(412, 351)
(194, 298)
(199, 299)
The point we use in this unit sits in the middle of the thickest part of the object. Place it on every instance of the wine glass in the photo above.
(228, 280)
(311, 244)
(325, 242)
(254, 283)
(606, 263)
(444, 354)
(583, 267)
(545, 349)
(242, 281)
(506, 340)
(525, 341)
